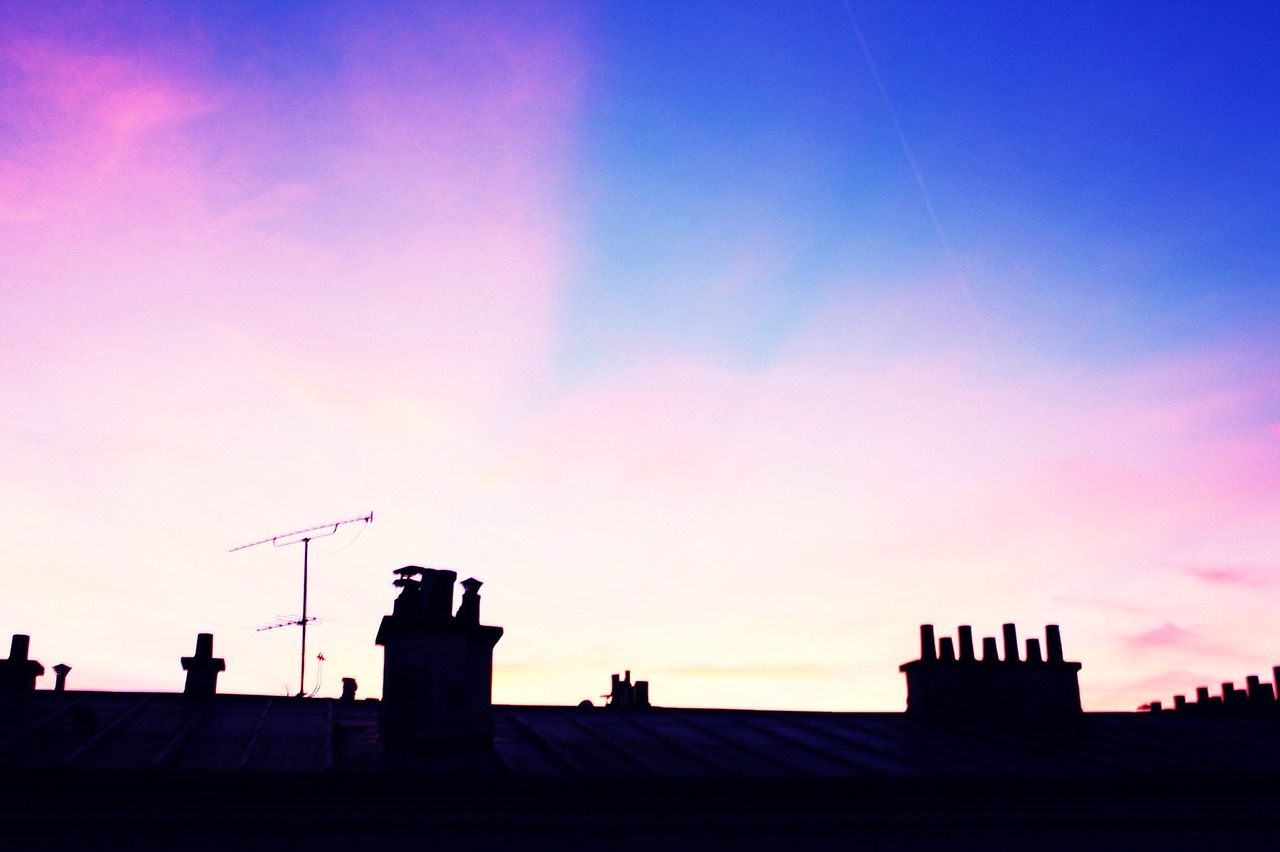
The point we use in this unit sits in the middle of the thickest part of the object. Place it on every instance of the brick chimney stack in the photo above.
(940, 684)
(437, 673)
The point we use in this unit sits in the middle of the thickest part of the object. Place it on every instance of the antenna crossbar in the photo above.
(368, 519)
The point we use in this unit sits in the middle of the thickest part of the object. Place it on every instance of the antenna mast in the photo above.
(286, 539)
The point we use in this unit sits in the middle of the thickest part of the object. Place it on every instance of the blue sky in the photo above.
(1100, 161)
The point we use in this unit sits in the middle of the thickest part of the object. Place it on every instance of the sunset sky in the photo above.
(726, 342)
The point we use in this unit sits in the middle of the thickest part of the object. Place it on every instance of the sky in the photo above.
(726, 342)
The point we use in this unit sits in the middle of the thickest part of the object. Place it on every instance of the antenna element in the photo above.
(284, 540)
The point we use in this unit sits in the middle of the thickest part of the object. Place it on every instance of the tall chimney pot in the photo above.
(1010, 643)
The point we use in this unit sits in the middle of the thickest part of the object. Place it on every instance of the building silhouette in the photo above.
(993, 752)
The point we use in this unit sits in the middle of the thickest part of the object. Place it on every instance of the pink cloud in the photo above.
(1249, 577)
(1165, 635)
(83, 121)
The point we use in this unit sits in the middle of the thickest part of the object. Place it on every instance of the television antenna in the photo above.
(284, 540)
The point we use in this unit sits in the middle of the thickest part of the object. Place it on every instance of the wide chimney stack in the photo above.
(942, 683)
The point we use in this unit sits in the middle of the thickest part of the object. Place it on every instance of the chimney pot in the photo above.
(1010, 643)
(1053, 643)
(349, 687)
(1033, 651)
(928, 652)
(61, 670)
(946, 650)
(966, 643)
(437, 594)
(990, 652)
(469, 609)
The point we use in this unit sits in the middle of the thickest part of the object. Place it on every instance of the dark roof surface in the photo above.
(246, 733)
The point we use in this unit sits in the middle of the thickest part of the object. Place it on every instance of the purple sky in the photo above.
(640, 314)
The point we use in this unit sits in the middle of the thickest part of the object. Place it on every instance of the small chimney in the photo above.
(625, 695)
(61, 670)
(437, 671)
(202, 668)
(951, 684)
(1256, 699)
(349, 687)
(18, 673)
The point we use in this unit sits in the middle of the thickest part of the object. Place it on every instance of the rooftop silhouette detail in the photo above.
(203, 668)
(18, 673)
(625, 695)
(1256, 699)
(947, 680)
(437, 676)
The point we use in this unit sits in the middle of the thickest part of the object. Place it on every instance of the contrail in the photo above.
(911, 161)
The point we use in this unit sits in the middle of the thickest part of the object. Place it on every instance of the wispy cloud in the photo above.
(1199, 641)
(1241, 576)
(1167, 634)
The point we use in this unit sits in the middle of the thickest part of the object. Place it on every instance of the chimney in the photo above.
(18, 673)
(1256, 699)
(61, 670)
(202, 668)
(437, 672)
(625, 695)
(349, 687)
(951, 684)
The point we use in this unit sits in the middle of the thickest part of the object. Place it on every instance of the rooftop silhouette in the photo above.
(986, 743)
